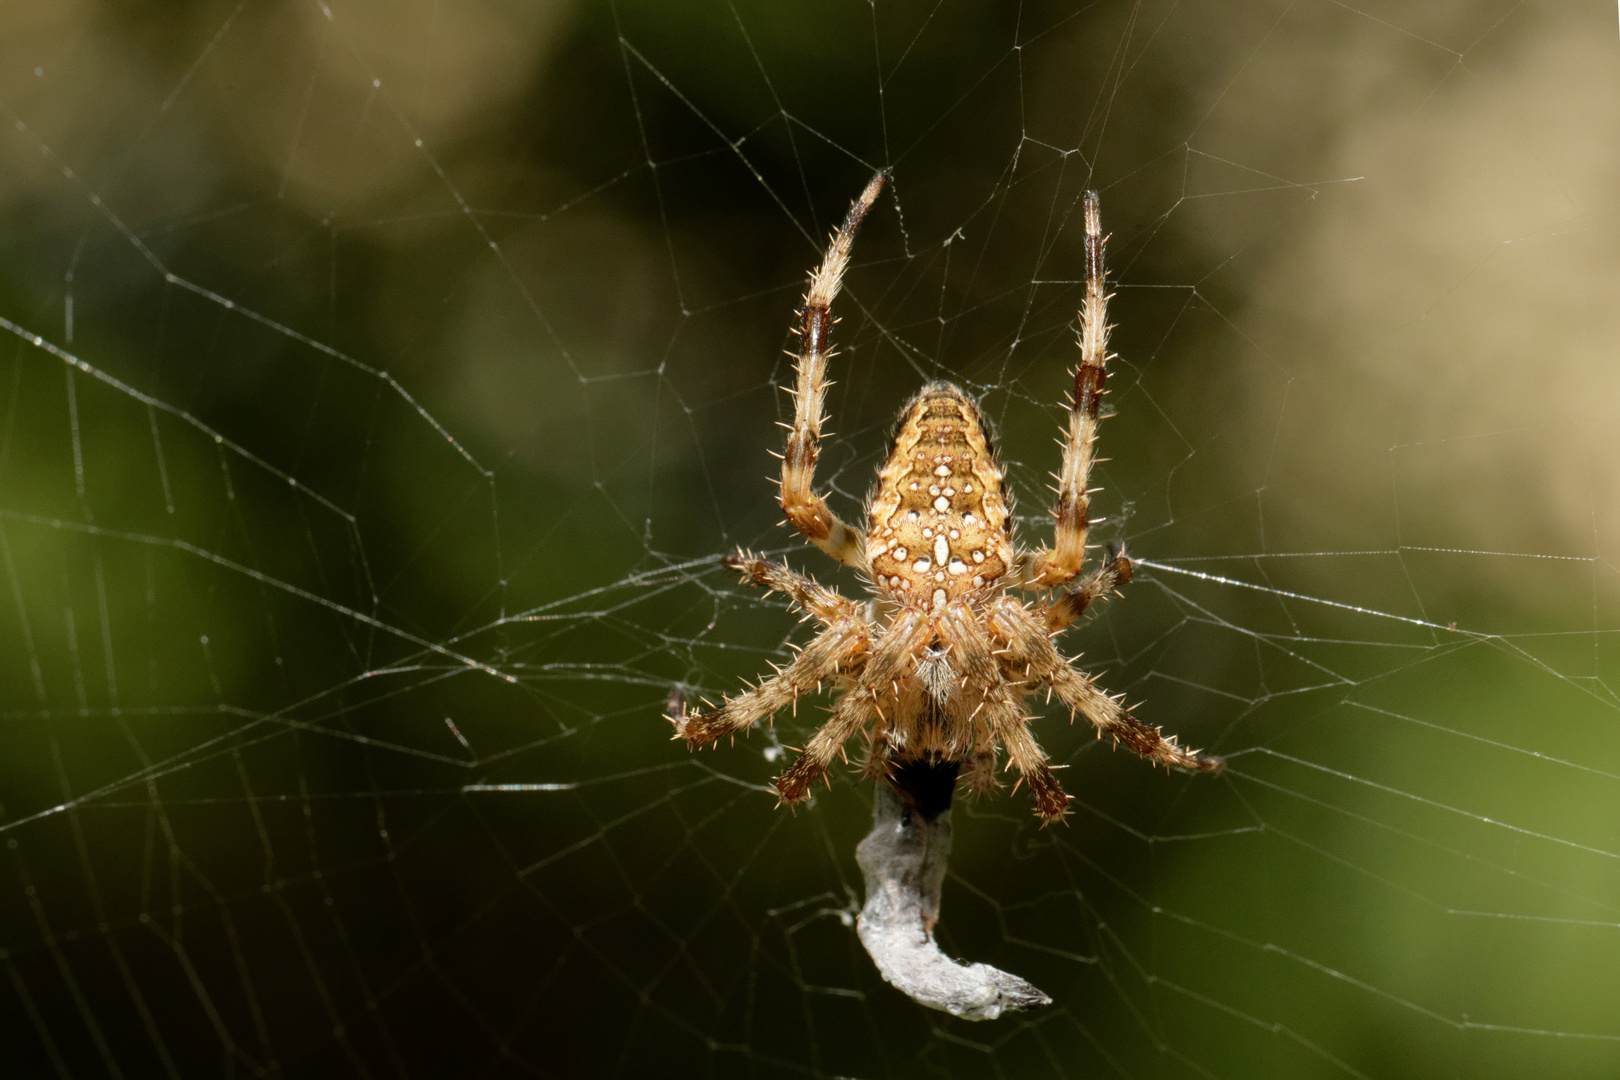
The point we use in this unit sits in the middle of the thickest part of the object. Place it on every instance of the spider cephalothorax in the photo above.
(935, 669)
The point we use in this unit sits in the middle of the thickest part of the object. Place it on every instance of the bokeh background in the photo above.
(381, 381)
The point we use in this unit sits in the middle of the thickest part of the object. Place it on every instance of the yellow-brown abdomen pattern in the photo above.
(937, 528)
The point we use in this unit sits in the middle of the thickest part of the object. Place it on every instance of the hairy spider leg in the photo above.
(1074, 603)
(807, 511)
(999, 710)
(1004, 713)
(826, 605)
(1031, 656)
(1051, 567)
(839, 649)
(891, 661)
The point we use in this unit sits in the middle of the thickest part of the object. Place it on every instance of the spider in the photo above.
(935, 669)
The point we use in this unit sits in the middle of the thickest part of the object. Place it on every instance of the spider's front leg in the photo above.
(1000, 714)
(1058, 564)
(1005, 716)
(841, 648)
(1030, 652)
(806, 510)
(1113, 719)
(892, 658)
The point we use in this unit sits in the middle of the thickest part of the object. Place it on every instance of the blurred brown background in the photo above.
(401, 369)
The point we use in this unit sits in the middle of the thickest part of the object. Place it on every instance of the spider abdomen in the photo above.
(937, 527)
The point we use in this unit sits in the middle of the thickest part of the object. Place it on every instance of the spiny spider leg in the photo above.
(1113, 719)
(1001, 711)
(1005, 715)
(839, 649)
(892, 656)
(1031, 656)
(854, 711)
(825, 604)
(1054, 566)
(1106, 579)
(808, 511)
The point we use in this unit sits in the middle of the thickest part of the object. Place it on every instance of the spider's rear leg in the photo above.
(807, 511)
(1067, 555)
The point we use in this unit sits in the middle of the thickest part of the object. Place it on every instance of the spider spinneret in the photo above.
(935, 669)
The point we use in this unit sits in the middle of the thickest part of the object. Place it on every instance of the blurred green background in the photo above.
(383, 379)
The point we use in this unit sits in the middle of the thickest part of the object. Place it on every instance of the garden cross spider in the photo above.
(934, 671)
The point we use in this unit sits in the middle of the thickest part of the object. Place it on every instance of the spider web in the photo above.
(385, 380)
